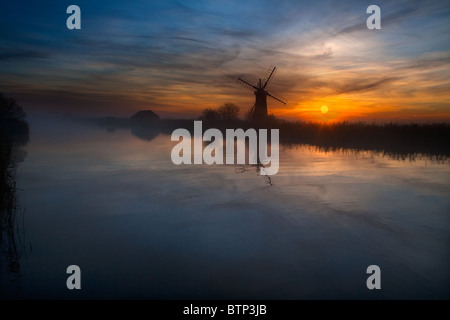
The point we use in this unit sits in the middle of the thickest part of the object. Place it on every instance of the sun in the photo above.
(324, 109)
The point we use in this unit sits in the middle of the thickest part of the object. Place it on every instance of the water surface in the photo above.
(141, 227)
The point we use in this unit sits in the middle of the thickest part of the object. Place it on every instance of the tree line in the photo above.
(228, 112)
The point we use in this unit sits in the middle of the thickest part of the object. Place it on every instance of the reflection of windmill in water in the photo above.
(259, 109)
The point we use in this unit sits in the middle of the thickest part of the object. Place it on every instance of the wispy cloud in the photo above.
(17, 55)
(181, 57)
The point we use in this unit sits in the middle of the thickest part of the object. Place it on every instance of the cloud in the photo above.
(358, 85)
(13, 55)
(428, 61)
(386, 20)
(187, 56)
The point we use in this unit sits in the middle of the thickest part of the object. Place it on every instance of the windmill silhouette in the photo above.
(259, 109)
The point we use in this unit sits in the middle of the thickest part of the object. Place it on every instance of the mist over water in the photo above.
(113, 203)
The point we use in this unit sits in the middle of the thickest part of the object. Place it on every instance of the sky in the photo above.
(180, 57)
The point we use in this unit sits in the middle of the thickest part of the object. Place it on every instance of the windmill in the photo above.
(259, 109)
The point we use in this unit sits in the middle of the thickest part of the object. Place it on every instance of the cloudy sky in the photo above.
(179, 57)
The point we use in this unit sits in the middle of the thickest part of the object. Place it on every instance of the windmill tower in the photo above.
(259, 109)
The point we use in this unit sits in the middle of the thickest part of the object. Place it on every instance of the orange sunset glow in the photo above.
(190, 62)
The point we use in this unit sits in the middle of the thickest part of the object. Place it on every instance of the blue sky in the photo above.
(178, 57)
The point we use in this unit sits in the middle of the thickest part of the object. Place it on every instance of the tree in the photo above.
(209, 114)
(9, 109)
(13, 125)
(249, 114)
(229, 111)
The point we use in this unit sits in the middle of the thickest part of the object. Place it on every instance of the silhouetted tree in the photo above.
(9, 109)
(229, 111)
(249, 114)
(13, 125)
(209, 114)
(13, 135)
